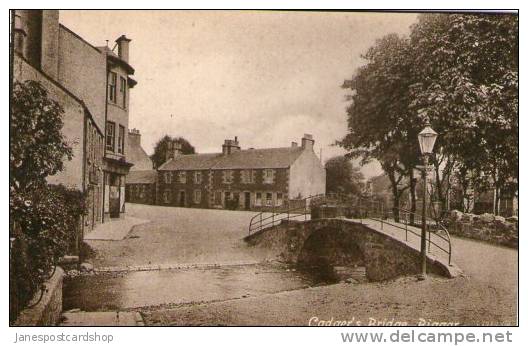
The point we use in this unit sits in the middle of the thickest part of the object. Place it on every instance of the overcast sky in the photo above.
(266, 77)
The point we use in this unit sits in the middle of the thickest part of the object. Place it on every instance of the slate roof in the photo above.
(243, 159)
(141, 177)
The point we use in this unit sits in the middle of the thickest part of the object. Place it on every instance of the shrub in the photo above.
(37, 147)
(44, 219)
(46, 226)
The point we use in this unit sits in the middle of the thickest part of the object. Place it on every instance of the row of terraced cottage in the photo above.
(251, 179)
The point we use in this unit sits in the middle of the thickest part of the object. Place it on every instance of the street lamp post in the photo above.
(426, 138)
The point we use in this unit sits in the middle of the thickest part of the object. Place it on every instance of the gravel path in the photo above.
(178, 236)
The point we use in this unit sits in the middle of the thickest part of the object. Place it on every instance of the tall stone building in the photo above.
(116, 163)
(77, 75)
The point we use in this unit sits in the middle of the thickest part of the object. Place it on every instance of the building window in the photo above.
(121, 140)
(258, 199)
(166, 196)
(168, 177)
(218, 197)
(197, 177)
(182, 177)
(112, 87)
(94, 145)
(268, 176)
(110, 136)
(269, 199)
(227, 177)
(197, 196)
(279, 198)
(248, 176)
(123, 90)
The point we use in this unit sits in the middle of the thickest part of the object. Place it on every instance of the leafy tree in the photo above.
(459, 71)
(467, 82)
(342, 176)
(37, 146)
(160, 149)
(379, 122)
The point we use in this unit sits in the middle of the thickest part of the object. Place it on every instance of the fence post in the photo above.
(406, 223)
(260, 224)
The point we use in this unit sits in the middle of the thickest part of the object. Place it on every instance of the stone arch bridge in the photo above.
(346, 241)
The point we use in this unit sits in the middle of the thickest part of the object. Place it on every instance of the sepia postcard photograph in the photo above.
(342, 168)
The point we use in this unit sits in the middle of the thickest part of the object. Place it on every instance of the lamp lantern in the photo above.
(427, 139)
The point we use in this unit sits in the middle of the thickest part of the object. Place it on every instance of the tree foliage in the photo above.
(461, 72)
(342, 176)
(37, 146)
(468, 86)
(380, 123)
(160, 149)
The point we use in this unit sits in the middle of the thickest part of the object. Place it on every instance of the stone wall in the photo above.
(486, 227)
(384, 257)
(48, 311)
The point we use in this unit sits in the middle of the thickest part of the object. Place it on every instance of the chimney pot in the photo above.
(230, 146)
(307, 141)
(123, 44)
(294, 144)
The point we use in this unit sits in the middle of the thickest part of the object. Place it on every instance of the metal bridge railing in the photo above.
(437, 234)
(360, 208)
(266, 219)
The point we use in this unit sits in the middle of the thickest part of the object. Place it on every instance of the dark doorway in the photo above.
(182, 198)
(247, 200)
(114, 201)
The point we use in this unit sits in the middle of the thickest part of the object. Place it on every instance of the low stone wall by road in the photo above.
(487, 227)
(48, 311)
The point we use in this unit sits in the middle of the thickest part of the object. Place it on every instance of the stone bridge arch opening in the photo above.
(333, 255)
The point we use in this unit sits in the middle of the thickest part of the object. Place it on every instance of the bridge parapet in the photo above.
(385, 256)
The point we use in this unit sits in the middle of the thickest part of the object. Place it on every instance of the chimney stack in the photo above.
(174, 148)
(230, 146)
(307, 142)
(49, 59)
(177, 148)
(20, 31)
(122, 47)
(36, 38)
(134, 137)
(169, 154)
